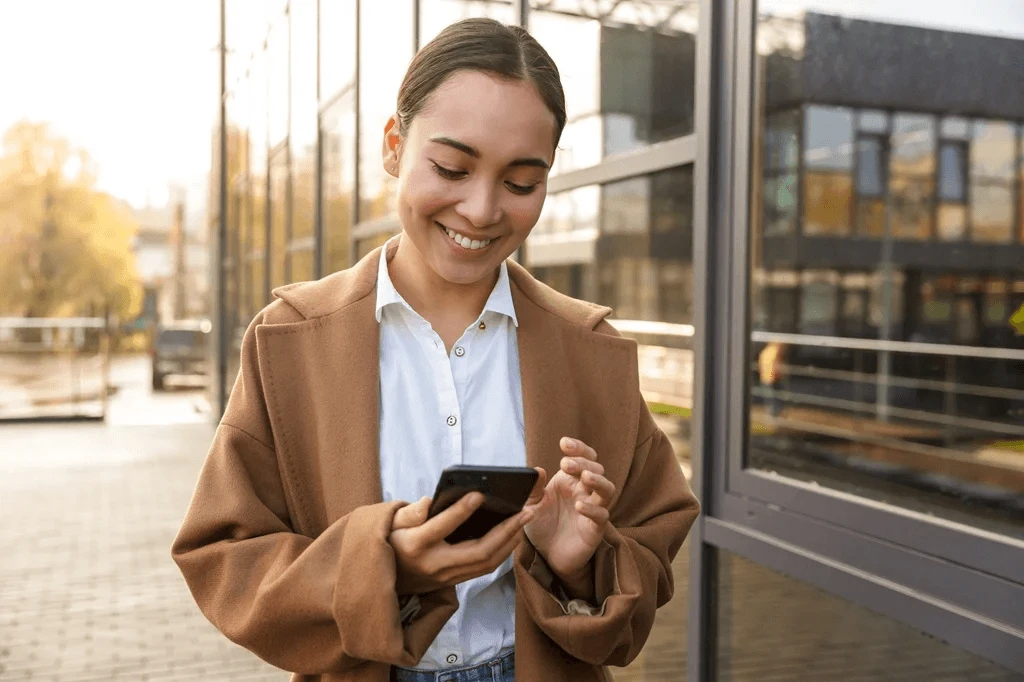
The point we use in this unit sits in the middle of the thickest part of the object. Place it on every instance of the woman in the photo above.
(356, 391)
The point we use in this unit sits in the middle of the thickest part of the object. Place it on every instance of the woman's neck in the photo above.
(434, 298)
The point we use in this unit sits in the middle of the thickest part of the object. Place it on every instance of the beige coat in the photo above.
(284, 545)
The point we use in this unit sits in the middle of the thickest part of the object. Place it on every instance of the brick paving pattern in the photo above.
(89, 589)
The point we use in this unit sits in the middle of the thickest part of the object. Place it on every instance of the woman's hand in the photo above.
(570, 515)
(425, 562)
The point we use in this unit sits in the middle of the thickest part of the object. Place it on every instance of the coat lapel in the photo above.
(322, 381)
(574, 384)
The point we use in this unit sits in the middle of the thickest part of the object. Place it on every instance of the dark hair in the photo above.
(480, 45)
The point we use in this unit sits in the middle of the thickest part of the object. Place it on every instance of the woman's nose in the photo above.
(480, 207)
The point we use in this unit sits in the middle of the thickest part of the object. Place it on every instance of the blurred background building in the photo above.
(810, 216)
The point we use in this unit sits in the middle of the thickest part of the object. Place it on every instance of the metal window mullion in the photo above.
(657, 157)
(354, 220)
(713, 51)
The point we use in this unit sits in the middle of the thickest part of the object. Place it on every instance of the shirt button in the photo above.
(460, 351)
(452, 658)
(452, 420)
(483, 325)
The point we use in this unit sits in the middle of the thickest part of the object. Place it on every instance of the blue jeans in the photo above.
(499, 670)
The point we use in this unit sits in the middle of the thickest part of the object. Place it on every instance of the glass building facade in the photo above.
(809, 215)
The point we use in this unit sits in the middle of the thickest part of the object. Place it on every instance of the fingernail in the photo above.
(569, 444)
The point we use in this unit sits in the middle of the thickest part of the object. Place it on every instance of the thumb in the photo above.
(537, 494)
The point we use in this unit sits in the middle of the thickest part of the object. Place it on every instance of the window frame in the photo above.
(946, 578)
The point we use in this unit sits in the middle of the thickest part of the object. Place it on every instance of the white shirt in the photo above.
(438, 410)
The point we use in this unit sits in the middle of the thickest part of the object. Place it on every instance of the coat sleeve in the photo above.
(632, 566)
(308, 605)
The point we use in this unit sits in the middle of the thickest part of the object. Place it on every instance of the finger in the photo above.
(594, 512)
(481, 550)
(595, 483)
(537, 494)
(574, 466)
(463, 573)
(442, 525)
(577, 448)
(411, 515)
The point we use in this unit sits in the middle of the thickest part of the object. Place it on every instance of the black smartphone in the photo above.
(505, 491)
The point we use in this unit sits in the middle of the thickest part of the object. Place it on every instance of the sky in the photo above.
(134, 82)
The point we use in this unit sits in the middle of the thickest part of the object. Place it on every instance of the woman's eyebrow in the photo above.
(471, 151)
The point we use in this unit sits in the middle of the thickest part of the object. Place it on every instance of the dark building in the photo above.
(813, 226)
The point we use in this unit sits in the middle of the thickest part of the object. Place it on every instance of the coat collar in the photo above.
(323, 379)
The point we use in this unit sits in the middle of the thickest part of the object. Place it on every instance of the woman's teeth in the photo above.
(466, 242)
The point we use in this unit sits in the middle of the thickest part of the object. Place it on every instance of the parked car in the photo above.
(180, 348)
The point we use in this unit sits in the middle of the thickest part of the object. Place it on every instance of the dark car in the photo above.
(180, 349)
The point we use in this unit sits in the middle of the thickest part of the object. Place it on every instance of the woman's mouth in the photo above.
(462, 240)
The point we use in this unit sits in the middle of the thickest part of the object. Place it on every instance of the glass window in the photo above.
(924, 427)
(300, 268)
(302, 14)
(828, 170)
(277, 79)
(870, 167)
(952, 178)
(627, 69)
(814, 635)
(338, 183)
(911, 175)
(436, 14)
(278, 216)
(337, 46)
(992, 181)
(385, 46)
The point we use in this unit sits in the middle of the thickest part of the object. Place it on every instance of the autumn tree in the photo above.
(65, 247)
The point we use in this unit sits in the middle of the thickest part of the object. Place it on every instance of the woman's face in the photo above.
(472, 172)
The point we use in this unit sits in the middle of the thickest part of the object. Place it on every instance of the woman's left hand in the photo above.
(570, 513)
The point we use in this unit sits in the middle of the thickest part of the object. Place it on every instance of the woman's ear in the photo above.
(391, 150)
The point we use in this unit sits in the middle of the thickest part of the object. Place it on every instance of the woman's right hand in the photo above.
(425, 562)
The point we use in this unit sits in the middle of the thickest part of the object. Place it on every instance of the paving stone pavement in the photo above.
(88, 590)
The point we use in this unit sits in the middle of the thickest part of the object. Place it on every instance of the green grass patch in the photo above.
(1015, 445)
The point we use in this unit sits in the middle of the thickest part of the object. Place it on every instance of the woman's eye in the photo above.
(520, 189)
(448, 173)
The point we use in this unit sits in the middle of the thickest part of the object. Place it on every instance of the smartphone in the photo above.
(505, 491)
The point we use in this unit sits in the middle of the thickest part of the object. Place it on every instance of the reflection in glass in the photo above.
(301, 265)
(277, 83)
(436, 14)
(303, 116)
(337, 46)
(924, 426)
(385, 49)
(338, 183)
(993, 156)
(278, 216)
(771, 626)
(911, 175)
(627, 69)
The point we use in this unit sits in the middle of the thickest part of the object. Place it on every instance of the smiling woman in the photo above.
(320, 559)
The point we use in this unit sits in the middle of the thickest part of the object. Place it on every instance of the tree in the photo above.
(65, 247)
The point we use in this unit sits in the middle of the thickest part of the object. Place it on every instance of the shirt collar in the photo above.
(500, 300)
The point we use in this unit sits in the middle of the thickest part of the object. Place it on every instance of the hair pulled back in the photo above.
(480, 45)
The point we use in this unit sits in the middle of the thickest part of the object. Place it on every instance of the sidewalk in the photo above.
(89, 588)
